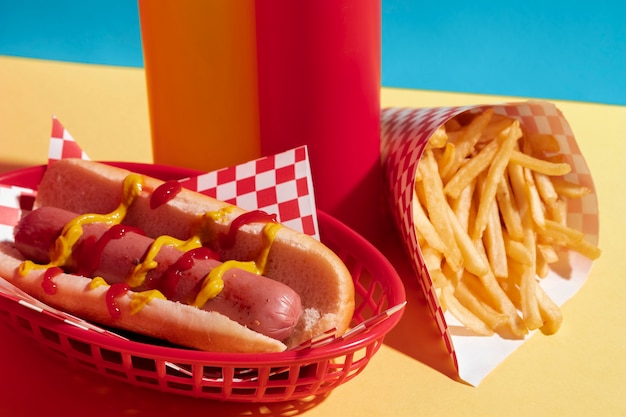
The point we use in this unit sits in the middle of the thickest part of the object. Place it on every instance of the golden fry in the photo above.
(419, 191)
(425, 227)
(528, 284)
(508, 209)
(473, 261)
(439, 138)
(558, 212)
(470, 170)
(496, 170)
(542, 268)
(436, 208)
(452, 276)
(546, 189)
(468, 292)
(548, 253)
(463, 314)
(447, 159)
(493, 240)
(568, 189)
(518, 186)
(516, 250)
(438, 277)
(532, 195)
(550, 312)
(462, 206)
(504, 304)
(586, 249)
(432, 258)
(562, 235)
(540, 165)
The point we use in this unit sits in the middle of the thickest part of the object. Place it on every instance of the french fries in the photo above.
(490, 211)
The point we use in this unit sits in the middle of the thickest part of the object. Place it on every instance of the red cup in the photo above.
(319, 85)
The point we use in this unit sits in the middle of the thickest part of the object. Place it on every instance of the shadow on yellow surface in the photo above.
(416, 335)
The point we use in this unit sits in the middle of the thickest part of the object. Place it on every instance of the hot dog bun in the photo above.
(295, 259)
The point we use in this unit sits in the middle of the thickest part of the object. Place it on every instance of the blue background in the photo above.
(543, 49)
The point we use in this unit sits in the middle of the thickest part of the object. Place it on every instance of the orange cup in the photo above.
(200, 63)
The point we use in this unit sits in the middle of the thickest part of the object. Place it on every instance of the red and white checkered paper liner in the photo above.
(405, 133)
(280, 184)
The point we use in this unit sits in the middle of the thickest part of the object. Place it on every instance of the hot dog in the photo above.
(317, 285)
(264, 305)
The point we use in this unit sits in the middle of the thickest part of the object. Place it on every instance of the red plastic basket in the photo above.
(270, 377)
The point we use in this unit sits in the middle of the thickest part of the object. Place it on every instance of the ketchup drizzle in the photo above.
(173, 274)
(48, 284)
(90, 252)
(115, 291)
(164, 193)
(227, 240)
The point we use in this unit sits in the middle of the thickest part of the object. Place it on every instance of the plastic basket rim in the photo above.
(181, 354)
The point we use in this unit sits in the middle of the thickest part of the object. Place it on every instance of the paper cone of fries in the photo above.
(486, 297)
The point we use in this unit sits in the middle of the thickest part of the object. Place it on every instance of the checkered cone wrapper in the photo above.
(405, 133)
(279, 184)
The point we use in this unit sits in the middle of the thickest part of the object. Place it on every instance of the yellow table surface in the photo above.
(579, 371)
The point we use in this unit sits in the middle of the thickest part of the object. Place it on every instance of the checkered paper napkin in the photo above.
(405, 133)
(279, 184)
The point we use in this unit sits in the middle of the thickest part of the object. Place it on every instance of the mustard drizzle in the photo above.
(72, 231)
(213, 283)
(138, 274)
